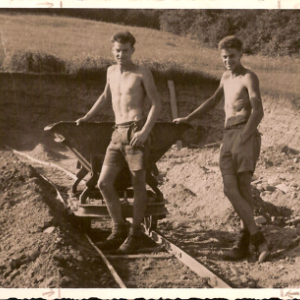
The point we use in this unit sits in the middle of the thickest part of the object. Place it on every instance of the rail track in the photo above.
(159, 263)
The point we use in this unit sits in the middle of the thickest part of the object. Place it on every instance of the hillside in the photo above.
(265, 31)
(83, 44)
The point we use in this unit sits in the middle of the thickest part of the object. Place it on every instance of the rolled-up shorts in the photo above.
(236, 157)
(120, 152)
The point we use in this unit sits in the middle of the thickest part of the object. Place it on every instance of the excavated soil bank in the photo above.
(39, 248)
(200, 215)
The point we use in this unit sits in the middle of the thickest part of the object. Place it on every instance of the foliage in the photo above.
(134, 17)
(33, 61)
(269, 32)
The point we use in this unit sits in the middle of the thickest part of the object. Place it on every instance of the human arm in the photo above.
(257, 113)
(205, 106)
(102, 100)
(140, 137)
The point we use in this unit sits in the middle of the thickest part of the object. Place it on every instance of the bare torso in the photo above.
(237, 103)
(128, 93)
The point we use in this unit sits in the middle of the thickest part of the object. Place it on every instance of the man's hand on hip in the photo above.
(138, 139)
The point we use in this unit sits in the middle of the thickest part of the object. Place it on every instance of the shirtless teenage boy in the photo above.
(128, 85)
(241, 143)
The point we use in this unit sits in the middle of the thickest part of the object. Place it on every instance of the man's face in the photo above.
(231, 58)
(122, 52)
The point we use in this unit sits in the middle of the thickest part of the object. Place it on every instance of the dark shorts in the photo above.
(236, 157)
(119, 152)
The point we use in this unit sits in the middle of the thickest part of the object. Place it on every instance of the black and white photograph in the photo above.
(149, 149)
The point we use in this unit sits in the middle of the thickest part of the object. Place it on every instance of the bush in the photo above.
(33, 61)
(135, 17)
(89, 66)
(177, 21)
(269, 32)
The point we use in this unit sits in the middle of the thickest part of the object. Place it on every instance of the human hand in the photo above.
(138, 139)
(180, 120)
(81, 120)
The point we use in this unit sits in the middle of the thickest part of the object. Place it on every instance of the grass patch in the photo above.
(84, 48)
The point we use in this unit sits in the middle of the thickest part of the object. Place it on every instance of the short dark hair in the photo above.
(123, 37)
(231, 41)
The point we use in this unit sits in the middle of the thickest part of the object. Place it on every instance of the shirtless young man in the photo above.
(241, 143)
(128, 85)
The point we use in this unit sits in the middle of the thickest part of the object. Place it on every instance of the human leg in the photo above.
(139, 207)
(244, 185)
(106, 186)
(245, 212)
(240, 248)
(239, 203)
(140, 197)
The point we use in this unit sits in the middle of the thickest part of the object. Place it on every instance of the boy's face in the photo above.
(122, 52)
(231, 58)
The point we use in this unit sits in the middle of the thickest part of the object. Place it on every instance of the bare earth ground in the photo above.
(40, 249)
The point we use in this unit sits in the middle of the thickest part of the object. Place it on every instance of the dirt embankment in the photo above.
(29, 102)
(190, 179)
(39, 248)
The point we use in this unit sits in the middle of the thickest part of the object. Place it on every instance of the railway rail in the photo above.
(158, 258)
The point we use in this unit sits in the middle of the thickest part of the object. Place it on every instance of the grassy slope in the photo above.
(74, 39)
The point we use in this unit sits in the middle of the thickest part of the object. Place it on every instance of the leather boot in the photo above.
(240, 248)
(132, 242)
(261, 246)
(115, 239)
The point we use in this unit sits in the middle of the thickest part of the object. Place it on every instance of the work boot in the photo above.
(240, 248)
(132, 242)
(261, 246)
(115, 239)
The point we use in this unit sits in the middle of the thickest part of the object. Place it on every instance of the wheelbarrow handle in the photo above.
(61, 139)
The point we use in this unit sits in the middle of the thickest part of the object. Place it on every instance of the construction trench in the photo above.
(201, 220)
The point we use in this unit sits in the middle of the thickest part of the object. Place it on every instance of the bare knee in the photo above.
(230, 187)
(105, 185)
(230, 191)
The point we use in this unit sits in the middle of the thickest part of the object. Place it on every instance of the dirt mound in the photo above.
(267, 210)
(39, 248)
(192, 183)
(45, 153)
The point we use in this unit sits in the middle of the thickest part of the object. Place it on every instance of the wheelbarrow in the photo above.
(89, 141)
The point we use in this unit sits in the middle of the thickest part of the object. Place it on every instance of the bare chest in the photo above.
(126, 83)
(235, 89)
(236, 94)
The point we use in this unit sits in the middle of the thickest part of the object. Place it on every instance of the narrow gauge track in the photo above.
(158, 264)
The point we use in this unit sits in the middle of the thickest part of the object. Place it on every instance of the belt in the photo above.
(130, 124)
